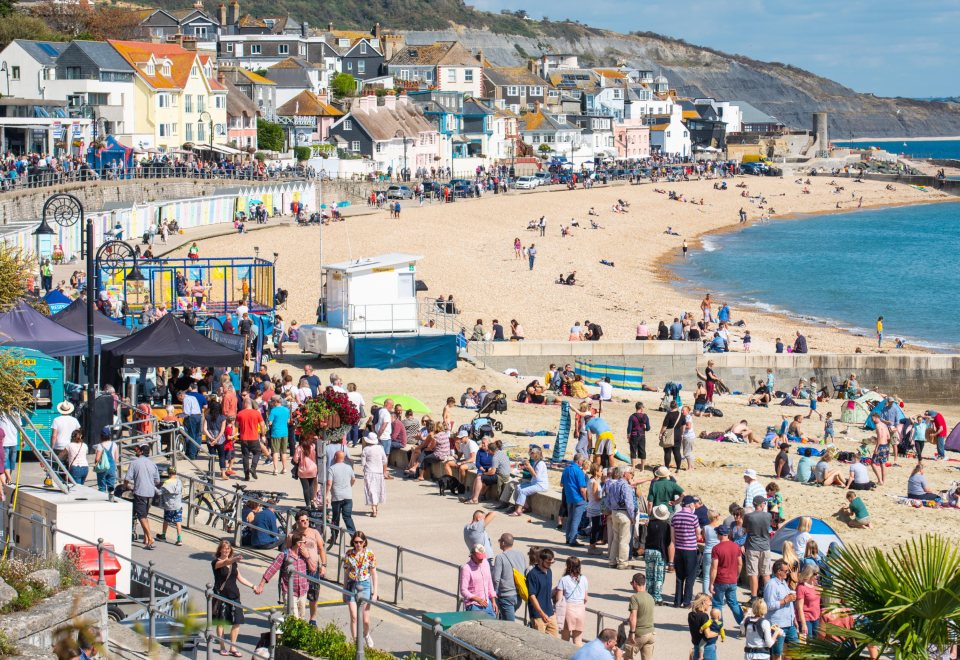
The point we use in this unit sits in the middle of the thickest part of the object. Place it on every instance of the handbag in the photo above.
(666, 435)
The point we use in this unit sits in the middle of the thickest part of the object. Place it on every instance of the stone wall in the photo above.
(508, 640)
(37, 626)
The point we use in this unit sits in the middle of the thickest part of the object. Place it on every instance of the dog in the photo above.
(451, 484)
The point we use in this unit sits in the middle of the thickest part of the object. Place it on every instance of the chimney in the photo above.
(304, 29)
(222, 14)
(390, 101)
(480, 56)
(403, 99)
(536, 106)
(376, 31)
(323, 96)
(368, 103)
(532, 66)
(234, 12)
(198, 5)
(330, 26)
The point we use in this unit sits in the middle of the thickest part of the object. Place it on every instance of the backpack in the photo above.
(105, 464)
(520, 582)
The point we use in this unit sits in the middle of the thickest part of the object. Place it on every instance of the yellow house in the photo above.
(177, 97)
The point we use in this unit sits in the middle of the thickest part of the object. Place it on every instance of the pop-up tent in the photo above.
(103, 159)
(856, 411)
(57, 301)
(898, 412)
(953, 440)
(820, 532)
(74, 317)
(170, 343)
(25, 327)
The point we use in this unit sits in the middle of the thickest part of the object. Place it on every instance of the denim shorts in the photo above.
(361, 586)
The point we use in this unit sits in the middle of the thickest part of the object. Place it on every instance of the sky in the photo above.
(886, 47)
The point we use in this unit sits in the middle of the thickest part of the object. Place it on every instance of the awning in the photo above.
(229, 151)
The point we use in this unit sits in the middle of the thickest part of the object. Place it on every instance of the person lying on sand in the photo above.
(742, 429)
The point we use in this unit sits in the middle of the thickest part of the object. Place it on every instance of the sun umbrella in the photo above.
(342, 204)
(406, 402)
(323, 206)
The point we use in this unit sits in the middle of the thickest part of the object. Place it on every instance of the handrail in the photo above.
(49, 460)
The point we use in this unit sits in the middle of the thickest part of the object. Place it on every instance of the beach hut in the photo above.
(820, 532)
(953, 440)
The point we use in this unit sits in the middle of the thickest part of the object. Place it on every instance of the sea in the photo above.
(844, 270)
(914, 148)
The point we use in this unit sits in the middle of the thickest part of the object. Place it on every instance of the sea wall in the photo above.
(931, 378)
(951, 186)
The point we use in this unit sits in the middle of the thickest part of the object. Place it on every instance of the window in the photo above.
(355, 145)
(156, 32)
(188, 103)
(283, 49)
(73, 73)
(201, 102)
(163, 130)
(667, 133)
(536, 90)
(513, 90)
(347, 125)
(404, 74)
(189, 132)
(219, 102)
(379, 147)
(229, 48)
(98, 98)
(201, 131)
(200, 30)
(194, 70)
(343, 43)
(255, 49)
(175, 100)
(363, 47)
(429, 76)
(468, 75)
(74, 100)
(618, 93)
(163, 101)
(349, 66)
(15, 72)
(361, 66)
(451, 75)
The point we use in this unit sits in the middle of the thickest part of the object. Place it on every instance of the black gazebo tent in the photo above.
(25, 327)
(74, 317)
(170, 343)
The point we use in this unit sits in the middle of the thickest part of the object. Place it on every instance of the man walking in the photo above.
(725, 567)
(193, 405)
(637, 427)
(757, 547)
(508, 561)
(640, 631)
(143, 477)
(251, 427)
(574, 484)
(383, 426)
(619, 499)
(540, 594)
(542, 225)
(340, 480)
(686, 534)
(532, 254)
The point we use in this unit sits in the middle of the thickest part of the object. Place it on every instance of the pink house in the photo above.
(632, 139)
(311, 115)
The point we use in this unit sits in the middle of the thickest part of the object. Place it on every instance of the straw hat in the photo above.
(662, 472)
(371, 439)
(65, 408)
(661, 512)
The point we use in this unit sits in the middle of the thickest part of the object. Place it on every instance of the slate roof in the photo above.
(104, 55)
(382, 123)
(753, 115)
(513, 75)
(307, 104)
(445, 53)
(44, 52)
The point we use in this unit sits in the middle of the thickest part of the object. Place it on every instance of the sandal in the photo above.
(236, 654)
(514, 514)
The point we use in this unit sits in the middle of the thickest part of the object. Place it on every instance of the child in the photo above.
(865, 451)
(715, 623)
(828, 429)
(230, 434)
(171, 491)
(775, 504)
(856, 511)
(746, 341)
(702, 635)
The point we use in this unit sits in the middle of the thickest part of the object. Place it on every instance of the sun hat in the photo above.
(65, 407)
(662, 472)
(371, 439)
(661, 512)
(463, 433)
(479, 549)
(750, 473)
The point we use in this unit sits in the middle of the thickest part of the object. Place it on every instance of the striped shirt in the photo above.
(685, 527)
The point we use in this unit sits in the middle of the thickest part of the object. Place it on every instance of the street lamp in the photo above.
(209, 119)
(66, 210)
(400, 134)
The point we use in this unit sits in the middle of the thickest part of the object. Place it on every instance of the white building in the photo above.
(26, 66)
(669, 135)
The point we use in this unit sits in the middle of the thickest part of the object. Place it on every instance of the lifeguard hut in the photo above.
(373, 318)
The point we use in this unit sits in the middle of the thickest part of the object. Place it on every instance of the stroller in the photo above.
(495, 402)
(671, 393)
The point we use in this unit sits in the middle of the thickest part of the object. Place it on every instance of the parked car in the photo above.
(544, 178)
(527, 183)
(399, 192)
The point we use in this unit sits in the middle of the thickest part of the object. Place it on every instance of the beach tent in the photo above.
(170, 343)
(953, 440)
(857, 411)
(820, 532)
(868, 423)
(25, 327)
(74, 317)
(57, 301)
(102, 159)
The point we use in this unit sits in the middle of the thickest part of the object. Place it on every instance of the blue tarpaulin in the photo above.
(102, 160)
(57, 301)
(414, 352)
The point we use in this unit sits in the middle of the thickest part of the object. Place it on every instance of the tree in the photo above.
(21, 26)
(302, 153)
(343, 85)
(545, 148)
(269, 135)
(15, 269)
(906, 601)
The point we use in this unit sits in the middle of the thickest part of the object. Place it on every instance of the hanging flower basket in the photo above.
(328, 415)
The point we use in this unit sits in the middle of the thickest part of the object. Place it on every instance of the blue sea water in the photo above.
(845, 270)
(915, 148)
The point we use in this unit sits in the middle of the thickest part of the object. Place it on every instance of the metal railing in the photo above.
(52, 466)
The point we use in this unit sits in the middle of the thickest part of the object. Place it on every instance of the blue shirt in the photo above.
(724, 314)
(572, 480)
(235, 380)
(540, 584)
(279, 419)
(264, 519)
(619, 492)
(596, 425)
(484, 460)
(774, 592)
(595, 650)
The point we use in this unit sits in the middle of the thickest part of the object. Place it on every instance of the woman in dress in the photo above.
(305, 458)
(76, 457)
(572, 587)
(374, 463)
(226, 575)
(360, 577)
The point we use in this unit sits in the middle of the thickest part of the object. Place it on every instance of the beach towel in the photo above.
(563, 433)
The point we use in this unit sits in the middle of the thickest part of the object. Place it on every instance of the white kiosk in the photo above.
(363, 297)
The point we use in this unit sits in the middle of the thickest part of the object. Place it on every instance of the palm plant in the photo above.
(906, 602)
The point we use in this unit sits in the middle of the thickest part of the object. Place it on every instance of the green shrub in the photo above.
(327, 642)
(15, 571)
(302, 153)
(7, 647)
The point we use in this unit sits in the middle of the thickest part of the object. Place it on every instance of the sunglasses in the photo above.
(359, 543)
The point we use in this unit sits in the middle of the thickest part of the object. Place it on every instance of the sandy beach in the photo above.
(468, 253)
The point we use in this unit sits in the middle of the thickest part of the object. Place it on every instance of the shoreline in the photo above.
(903, 139)
(667, 274)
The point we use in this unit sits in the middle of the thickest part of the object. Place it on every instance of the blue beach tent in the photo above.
(820, 532)
(57, 301)
(868, 424)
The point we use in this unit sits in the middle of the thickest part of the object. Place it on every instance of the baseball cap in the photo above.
(723, 530)
(750, 473)
(687, 500)
(106, 431)
(463, 433)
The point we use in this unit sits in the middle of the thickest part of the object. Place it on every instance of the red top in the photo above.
(725, 555)
(810, 596)
(249, 421)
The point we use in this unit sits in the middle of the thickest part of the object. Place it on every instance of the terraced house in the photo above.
(176, 96)
(443, 65)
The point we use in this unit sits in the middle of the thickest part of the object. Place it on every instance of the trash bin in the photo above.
(447, 620)
(87, 561)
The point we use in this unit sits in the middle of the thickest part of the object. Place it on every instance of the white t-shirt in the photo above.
(303, 393)
(357, 399)
(10, 433)
(77, 455)
(606, 391)
(64, 425)
(860, 474)
(574, 589)
(384, 423)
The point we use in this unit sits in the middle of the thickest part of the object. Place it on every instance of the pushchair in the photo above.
(671, 393)
(495, 402)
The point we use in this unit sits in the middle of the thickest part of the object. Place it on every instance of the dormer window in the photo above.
(194, 71)
(150, 69)
(166, 68)
(343, 43)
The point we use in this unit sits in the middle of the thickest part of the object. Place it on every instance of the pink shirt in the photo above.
(811, 601)
(475, 581)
